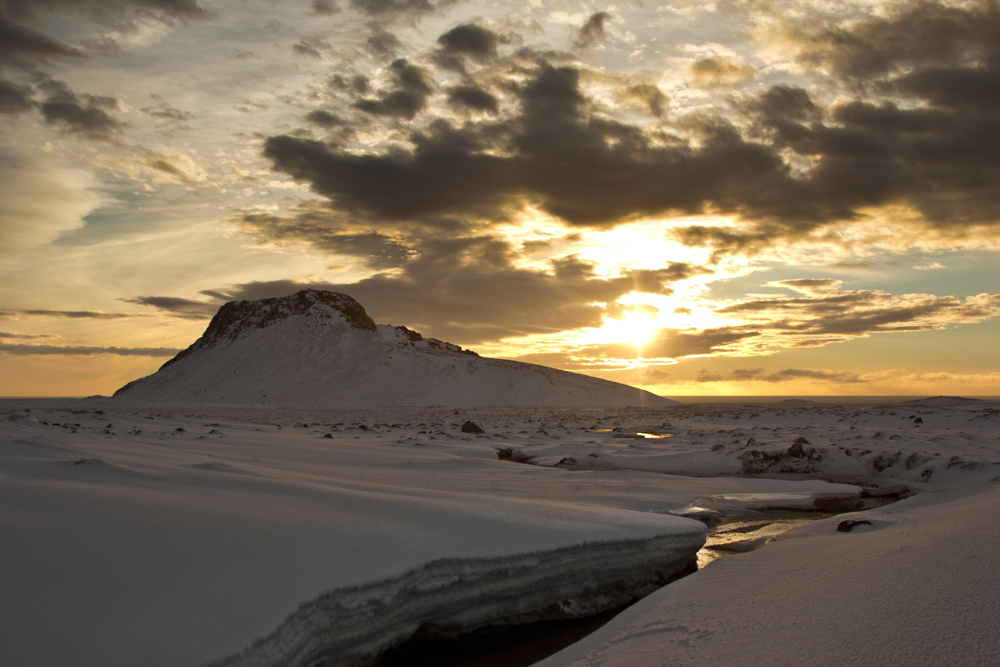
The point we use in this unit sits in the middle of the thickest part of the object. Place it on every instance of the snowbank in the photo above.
(917, 587)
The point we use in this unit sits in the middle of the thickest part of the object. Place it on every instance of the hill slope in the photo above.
(319, 348)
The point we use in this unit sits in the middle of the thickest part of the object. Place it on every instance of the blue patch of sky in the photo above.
(961, 273)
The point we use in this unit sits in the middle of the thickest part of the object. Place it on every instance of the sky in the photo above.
(731, 198)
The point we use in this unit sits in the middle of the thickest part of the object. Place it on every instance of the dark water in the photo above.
(502, 646)
(509, 646)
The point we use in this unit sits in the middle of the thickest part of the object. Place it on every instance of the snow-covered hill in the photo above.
(318, 348)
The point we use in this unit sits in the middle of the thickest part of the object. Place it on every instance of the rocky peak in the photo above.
(238, 317)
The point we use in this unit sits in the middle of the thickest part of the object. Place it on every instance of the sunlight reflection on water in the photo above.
(747, 534)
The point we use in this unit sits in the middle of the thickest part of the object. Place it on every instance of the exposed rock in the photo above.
(882, 462)
(795, 459)
(472, 427)
(848, 525)
(515, 455)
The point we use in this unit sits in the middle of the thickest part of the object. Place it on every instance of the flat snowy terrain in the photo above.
(134, 535)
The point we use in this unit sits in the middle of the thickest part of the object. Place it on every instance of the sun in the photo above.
(636, 328)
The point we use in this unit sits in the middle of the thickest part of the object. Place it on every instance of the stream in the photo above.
(524, 645)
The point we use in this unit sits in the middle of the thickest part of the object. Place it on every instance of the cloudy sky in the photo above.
(738, 197)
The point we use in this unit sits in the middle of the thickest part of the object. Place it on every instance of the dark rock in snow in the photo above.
(472, 427)
(848, 525)
(515, 455)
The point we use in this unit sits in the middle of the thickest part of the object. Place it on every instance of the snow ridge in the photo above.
(447, 597)
(321, 349)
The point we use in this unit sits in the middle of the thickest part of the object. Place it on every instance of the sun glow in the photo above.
(636, 328)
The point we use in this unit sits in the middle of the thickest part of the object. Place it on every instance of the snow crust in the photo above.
(133, 533)
(304, 351)
(451, 596)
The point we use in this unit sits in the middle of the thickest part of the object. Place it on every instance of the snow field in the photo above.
(188, 534)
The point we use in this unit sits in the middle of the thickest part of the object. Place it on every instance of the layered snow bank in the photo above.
(141, 540)
(448, 597)
(321, 349)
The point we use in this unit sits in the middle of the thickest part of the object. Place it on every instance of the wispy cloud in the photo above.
(747, 375)
(179, 307)
(20, 336)
(71, 314)
(85, 350)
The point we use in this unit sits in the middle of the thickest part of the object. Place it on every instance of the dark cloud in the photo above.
(86, 350)
(468, 40)
(788, 375)
(357, 84)
(107, 10)
(829, 314)
(719, 72)
(412, 88)
(554, 154)
(324, 118)
(592, 32)
(15, 98)
(792, 374)
(23, 46)
(789, 168)
(166, 113)
(383, 44)
(650, 95)
(398, 8)
(324, 7)
(9, 335)
(440, 178)
(468, 291)
(304, 48)
(71, 314)
(473, 98)
(85, 115)
(185, 308)
(328, 233)
(911, 37)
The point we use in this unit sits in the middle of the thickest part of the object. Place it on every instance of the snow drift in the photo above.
(318, 348)
(448, 597)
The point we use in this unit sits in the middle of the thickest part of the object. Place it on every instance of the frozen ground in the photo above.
(190, 535)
